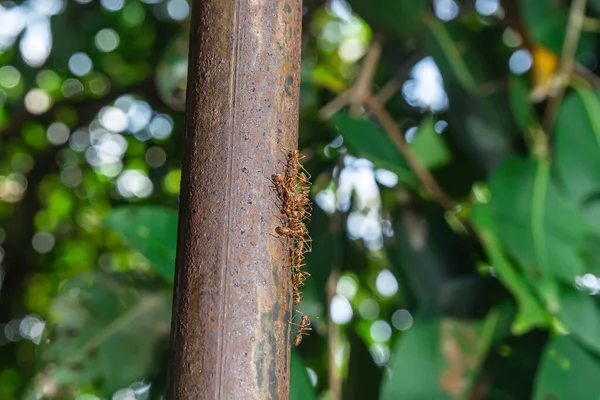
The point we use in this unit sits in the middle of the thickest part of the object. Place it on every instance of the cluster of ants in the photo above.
(292, 188)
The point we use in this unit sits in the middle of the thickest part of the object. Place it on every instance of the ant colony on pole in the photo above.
(292, 189)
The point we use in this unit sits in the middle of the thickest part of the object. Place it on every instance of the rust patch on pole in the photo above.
(232, 301)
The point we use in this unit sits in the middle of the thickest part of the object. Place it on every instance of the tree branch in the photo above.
(391, 128)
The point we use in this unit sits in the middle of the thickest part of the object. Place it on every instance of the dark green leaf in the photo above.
(577, 135)
(105, 331)
(417, 364)
(429, 146)
(520, 103)
(150, 230)
(567, 371)
(300, 385)
(398, 17)
(366, 139)
(439, 358)
(531, 314)
(539, 227)
(581, 314)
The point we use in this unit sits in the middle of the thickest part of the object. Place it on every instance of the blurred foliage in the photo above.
(492, 298)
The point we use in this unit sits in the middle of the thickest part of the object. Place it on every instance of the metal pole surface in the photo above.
(230, 334)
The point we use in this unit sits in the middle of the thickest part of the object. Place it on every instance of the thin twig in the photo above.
(362, 88)
(567, 60)
(395, 83)
(335, 105)
(360, 95)
(587, 75)
(395, 133)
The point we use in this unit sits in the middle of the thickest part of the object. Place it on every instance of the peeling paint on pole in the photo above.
(232, 302)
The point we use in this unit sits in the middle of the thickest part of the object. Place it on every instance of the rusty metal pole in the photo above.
(232, 302)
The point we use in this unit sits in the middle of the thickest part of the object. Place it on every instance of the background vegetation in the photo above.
(455, 153)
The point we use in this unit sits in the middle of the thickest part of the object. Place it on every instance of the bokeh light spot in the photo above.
(36, 42)
(161, 126)
(71, 176)
(72, 87)
(380, 353)
(487, 7)
(57, 133)
(107, 40)
(112, 5)
(48, 80)
(178, 9)
(425, 89)
(113, 119)
(520, 62)
(32, 327)
(21, 162)
(37, 101)
(369, 309)
(80, 64)
(340, 310)
(402, 320)
(134, 183)
(9, 76)
(172, 181)
(352, 49)
(386, 283)
(380, 331)
(156, 156)
(133, 14)
(446, 10)
(386, 178)
(99, 84)
(141, 390)
(347, 287)
(139, 114)
(79, 140)
(43, 242)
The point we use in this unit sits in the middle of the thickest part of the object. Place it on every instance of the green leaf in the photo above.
(581, 314)
(530, 313)
(429, 146)
(401, 18)
(150, 230)
(577, 135)
(417, 364)
(540, 228)
(105, 331)
(300, 385)
(439, 358)
(480, 118)
(520, 104)
(367, 139)
(595, 4)
(567, 371)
